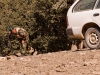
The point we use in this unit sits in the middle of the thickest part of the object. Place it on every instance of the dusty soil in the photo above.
(82, 62)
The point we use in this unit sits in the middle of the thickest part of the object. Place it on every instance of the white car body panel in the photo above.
(97, 18)
(76, 20)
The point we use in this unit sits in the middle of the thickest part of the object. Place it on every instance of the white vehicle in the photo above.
(83, 21)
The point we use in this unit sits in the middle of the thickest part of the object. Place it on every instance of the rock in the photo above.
(3, 58)
(18, 54)
(72, 62)
(8, 58)
(74, 47)
(85, 63)
(11, 57)
(30, 51)
(61, 70)
(35, 53)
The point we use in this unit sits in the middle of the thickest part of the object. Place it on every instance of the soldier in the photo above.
(21, 34)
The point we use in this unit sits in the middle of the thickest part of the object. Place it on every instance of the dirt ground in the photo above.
(72, 62)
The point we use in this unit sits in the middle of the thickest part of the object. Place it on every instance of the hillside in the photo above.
(83, 62)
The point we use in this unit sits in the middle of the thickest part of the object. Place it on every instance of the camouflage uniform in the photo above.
(22, 36)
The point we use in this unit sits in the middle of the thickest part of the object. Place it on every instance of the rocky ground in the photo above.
(72, 62)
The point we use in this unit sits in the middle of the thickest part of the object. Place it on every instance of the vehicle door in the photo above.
(83, 12)
(96, 13)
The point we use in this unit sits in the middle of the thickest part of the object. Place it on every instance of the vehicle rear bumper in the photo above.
(69, 32)
(74, 33)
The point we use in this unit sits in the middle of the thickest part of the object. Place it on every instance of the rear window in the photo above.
(84, 5)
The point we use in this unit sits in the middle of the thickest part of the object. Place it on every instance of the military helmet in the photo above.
(10, 28)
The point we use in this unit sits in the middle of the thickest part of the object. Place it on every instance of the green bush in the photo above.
(44, 21)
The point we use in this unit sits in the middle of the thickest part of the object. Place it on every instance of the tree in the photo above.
(45, 21)
(51, 24)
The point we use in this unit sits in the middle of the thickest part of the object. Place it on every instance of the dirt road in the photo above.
(83, 62)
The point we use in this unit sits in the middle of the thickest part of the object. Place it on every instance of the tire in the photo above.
(92, 38)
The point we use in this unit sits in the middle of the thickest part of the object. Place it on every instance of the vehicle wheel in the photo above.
(92, 38)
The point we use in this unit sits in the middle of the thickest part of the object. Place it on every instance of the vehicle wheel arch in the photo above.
(88, 25)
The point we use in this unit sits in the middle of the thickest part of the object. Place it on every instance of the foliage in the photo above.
(51, 23)
(45, 24)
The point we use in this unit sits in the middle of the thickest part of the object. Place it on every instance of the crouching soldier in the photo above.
(21, 34)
